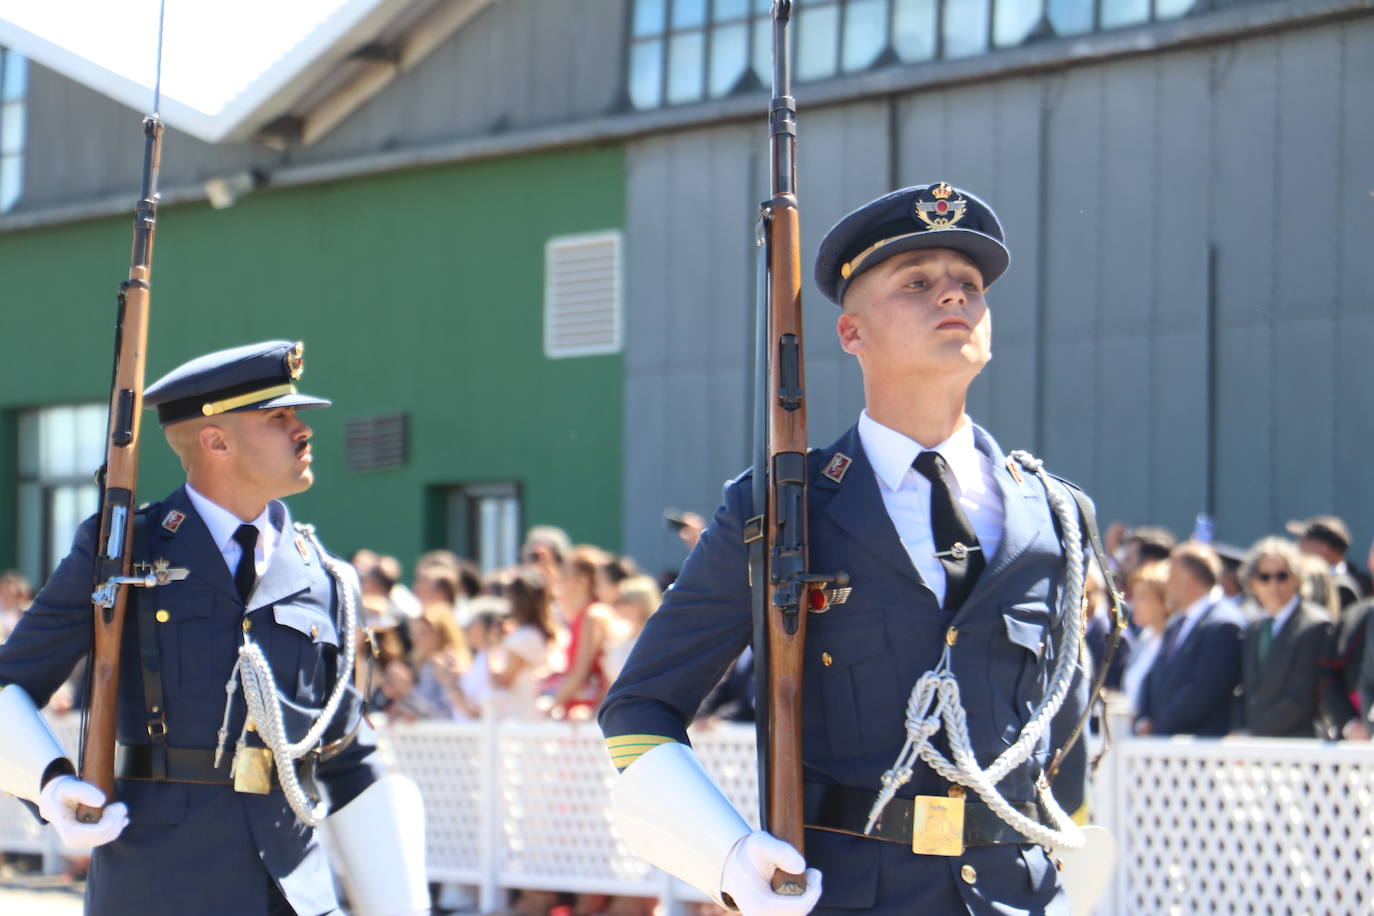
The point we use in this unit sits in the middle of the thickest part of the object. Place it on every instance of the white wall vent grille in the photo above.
(582, 283)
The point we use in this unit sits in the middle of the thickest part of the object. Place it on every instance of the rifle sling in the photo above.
(150, 656)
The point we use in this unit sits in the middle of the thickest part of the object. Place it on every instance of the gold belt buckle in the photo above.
(937, 826)
(253, 770)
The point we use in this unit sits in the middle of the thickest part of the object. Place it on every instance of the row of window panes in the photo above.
(62, 442)
(680, 54)
(48, 518)
(60, 449)
(13, 84)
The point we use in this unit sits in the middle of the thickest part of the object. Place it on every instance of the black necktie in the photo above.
(246, 573)
(956, 546)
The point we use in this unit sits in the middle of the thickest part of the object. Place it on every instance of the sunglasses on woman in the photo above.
(1277, 576)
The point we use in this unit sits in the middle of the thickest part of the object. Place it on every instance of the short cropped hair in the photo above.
(1201, 562)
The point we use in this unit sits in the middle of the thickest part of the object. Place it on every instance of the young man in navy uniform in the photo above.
(216, 803)
(956, 565)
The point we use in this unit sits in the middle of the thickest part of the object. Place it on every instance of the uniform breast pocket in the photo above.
(198, 645)
(305, 641)
(1017, 668)
(856, 683)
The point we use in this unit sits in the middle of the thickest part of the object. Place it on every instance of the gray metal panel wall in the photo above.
(690, 315)
(517, 64)
(82, 146)
(1117, 180)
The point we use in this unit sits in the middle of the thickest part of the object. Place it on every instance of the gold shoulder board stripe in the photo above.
(626, 749)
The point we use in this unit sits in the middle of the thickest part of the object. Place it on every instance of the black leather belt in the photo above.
(184, 764)
(845, 810)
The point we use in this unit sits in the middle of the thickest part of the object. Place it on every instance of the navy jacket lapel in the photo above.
(1025, 514)
(178, 533)
(857, 506)
(288, 573)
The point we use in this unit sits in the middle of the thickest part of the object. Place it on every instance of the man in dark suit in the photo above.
(1190, 687)
(235, 697)
(1279, 669)
(884, 500)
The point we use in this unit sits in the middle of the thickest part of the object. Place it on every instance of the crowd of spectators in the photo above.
(541, 639)
(1271, 641)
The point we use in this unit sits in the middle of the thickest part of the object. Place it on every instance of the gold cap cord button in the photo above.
(969, 874)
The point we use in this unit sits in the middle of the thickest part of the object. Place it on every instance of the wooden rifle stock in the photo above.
(782, 584)
(114, 548)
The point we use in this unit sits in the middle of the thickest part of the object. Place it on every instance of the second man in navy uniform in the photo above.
(217, 802)
(957, 569)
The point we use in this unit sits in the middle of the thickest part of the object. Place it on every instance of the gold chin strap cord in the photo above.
(210, 408)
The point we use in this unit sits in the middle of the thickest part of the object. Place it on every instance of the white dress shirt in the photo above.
(223, 523)
(906, 492)
(1144, 651)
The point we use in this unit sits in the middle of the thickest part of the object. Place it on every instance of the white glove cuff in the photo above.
(29, 746)
(671, 814)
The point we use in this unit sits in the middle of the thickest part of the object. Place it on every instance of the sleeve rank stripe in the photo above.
(637, 741)
(626, 749)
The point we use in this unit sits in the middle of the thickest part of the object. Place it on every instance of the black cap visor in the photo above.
(986, 253)
(299, 401)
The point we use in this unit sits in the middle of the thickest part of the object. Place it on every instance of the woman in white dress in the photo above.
(521, 662)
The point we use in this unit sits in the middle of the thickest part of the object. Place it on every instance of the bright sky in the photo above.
(214, 51)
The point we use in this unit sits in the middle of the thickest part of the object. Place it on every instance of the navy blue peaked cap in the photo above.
(254, 377)
(926, 216)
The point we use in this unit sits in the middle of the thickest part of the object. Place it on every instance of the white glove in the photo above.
(58, 801)
(749, 869)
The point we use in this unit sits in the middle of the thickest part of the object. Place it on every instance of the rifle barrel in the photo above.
(784, 528)
(114, 548)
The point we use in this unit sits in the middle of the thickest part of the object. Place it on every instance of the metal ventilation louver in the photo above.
(582, 314)
(375, 443)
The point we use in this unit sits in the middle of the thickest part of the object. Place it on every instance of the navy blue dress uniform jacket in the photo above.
(196, 848)
(1192, 690)
(889, 632)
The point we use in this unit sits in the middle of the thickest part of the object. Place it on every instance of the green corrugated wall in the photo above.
(419, 291)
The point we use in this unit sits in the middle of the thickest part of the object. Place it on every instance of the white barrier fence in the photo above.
(1205, 826)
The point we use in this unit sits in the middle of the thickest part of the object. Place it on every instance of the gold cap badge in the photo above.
(944, 211)
(295, 361)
